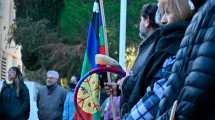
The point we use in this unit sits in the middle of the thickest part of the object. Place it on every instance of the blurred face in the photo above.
(143, 27)
(51, 81)
(73, 80)
(11, 75)
(167, 15)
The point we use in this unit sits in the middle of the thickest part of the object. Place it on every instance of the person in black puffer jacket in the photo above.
(192, 82)
(14, 97)
(171, 33)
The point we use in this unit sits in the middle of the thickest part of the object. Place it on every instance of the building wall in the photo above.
(9, 52)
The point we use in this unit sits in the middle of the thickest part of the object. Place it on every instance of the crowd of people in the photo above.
(173, 76)
(53, 102)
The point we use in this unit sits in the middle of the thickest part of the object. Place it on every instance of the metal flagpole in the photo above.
(122, 42)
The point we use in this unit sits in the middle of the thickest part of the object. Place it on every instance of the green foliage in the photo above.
(112, 16)
(76, 16)
(53, 32)
(39, 9)
(74, 20)
(43, 48)
(112, 12)
(33, 35)
(30, 35)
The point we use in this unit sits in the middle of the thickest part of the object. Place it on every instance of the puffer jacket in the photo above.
(166, 45)
(14, 107)
(192, 82)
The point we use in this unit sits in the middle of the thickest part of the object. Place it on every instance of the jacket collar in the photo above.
(150, 38)
(51, 88)
(179, 26)
(171, 36)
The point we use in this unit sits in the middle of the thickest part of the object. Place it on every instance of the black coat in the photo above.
(146, 48)
(14, 107)
(192, 81)
(165, 44)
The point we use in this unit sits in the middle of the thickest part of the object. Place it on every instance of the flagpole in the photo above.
(107, 53)
(122, 42)
(105, 33)
(104, 26)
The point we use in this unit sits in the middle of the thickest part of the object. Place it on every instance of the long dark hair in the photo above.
(19, 79)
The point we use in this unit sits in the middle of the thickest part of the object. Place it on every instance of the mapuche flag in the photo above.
(88, 94)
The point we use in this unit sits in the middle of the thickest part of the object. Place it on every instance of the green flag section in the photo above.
(88, 94)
